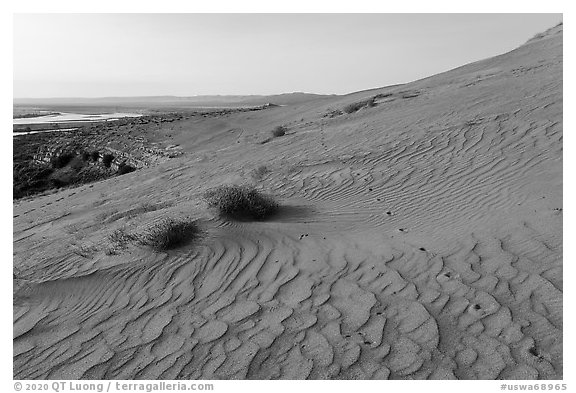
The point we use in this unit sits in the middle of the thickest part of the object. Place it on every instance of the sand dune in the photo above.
(420, 238)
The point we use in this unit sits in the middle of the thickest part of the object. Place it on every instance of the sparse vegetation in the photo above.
(279, 131)
(119, 240)
(170, 233)
(121, 237)
(61, 160)
(107, 160)
(67, 168)
(333, 113)
(382, 95)
(125, 168)
(356, 106)
(241, 202)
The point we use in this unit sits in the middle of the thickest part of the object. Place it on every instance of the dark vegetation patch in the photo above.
(333, 113)
(170, 233)
(356, 106)
(279, 131)
(125, 168)
(61, 160)
(107, 160)
(68, 168)
(382, 95)
(241, 202)
(410, 94)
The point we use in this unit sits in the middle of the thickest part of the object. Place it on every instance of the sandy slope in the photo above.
(422, 238)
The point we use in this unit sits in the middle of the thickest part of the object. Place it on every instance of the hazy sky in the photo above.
(94, 55)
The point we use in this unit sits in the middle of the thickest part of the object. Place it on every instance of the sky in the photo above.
(104, 55)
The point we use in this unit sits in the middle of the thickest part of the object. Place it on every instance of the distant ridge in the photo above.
(204, 100)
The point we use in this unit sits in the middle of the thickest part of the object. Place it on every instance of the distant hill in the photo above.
(173, 101)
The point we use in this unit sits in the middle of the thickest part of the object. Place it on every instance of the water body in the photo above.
(72, 117)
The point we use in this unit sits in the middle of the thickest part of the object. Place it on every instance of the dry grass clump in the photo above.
(333, 113)
(356, 106)
(279, 131)
(171, 233)
(241, 202)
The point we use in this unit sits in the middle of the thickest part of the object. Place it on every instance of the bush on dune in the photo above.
(356, 106)
(241, 202)
(107, 160)
(279, 131)
(171, 233)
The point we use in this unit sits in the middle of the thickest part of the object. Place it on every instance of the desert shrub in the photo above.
(125, 168)
(356, 106)
(333, 113)
(241, 202)
(170, 233)
(95, 155)
(85, 155)
(382, 95)
(107, 160)
(61, 160)
(279, 131)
